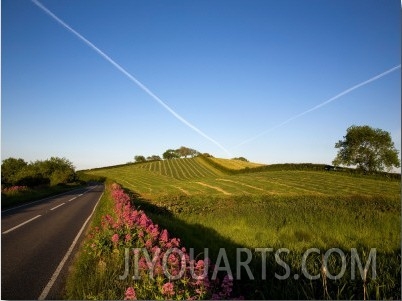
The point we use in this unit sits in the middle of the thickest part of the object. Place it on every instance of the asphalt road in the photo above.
(35, 239)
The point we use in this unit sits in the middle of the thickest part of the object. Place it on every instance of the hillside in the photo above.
(181, 169)
(196, 176)
(235, 164)
(214, 204)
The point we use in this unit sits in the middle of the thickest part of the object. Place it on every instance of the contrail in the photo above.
(347, 91)
(131, 77)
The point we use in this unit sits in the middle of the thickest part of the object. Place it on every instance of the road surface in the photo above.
(37, 243)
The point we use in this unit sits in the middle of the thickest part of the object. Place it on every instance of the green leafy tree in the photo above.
(207, 155)
(194, 153)
(186, 151)
(139, 159)
(10, 168)
(240, 159)
(154, 158)
(59, 170)
(183, 151)
(170, 154)
(369, 149)
(52, 171)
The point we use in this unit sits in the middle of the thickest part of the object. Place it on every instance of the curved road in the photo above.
(37, 243)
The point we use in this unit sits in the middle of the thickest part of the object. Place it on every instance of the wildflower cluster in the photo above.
(163, 269)
(14, 189)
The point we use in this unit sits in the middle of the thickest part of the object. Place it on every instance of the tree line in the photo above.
(182, 152)
(51, 172)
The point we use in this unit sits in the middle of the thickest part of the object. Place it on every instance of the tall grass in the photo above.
(295, 223)
(103, 269)
(292, 209)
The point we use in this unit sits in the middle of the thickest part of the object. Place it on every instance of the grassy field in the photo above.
(235, 164)
(293, 209)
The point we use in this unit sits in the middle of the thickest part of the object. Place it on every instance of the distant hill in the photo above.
(235, 164)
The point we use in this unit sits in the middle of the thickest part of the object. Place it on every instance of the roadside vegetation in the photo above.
(297, 209)
(23, 182)
(117, 229)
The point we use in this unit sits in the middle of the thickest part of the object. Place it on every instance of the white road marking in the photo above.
(38, 201)
(56, 273)
(26, 222)
(13, 228)
(57, 206)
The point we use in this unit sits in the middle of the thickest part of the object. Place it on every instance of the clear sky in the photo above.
(233, 70)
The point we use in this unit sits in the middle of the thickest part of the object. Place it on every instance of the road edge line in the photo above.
(56, 273)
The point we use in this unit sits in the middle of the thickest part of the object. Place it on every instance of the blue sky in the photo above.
(233, 69)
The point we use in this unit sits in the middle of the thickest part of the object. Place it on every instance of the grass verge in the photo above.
(79, 282)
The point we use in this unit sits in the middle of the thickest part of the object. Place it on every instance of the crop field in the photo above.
(235, 164)
(292, 209)
(194, 176)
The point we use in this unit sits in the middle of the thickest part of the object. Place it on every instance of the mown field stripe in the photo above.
(179, 172)
(214, 187)
(170, 173)
(197, 168)
(184, 167)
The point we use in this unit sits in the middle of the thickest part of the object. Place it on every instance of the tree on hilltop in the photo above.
(240, 159)
(370, 149)
(140, 159)
(185, 151)
(170, 154)
(153, 158)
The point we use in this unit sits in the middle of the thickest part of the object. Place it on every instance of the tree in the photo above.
(154, 158)
(207, 155)
(57, 170)
(240, 159)
(10, 168)
(170, 154)
(139, 159)
(369, 149)
(52, 171)
(193, 153)
(185, 151)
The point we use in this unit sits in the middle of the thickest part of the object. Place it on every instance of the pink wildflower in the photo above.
(227, 286)
(148, 243)
(142, 263)
(164, 237)
(115, 238)
(128, 237)
(175, 242)
(167, 289)
(130, 294)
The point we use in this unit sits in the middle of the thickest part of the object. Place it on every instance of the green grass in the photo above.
(81, 283)
(195, 177)
(293, 209)
(235, 164)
